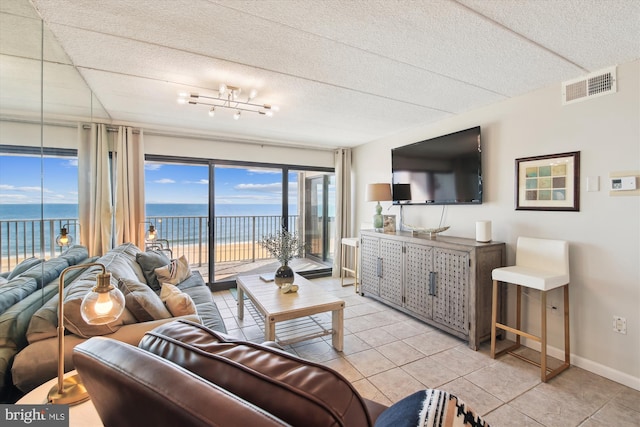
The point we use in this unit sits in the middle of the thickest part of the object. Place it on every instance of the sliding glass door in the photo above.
(248, 205)
(177, 207)
(215, 213)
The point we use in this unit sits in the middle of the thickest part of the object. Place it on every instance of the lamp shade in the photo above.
(378, 192)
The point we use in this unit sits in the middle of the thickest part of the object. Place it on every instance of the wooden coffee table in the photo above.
(276, 307)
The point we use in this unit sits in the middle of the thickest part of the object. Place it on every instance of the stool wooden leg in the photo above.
(543, 336)
(494, 318)
(518, 313)
(567, 350)
(356, 285)
(342, 260)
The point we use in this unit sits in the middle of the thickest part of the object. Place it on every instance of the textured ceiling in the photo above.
(342, 72)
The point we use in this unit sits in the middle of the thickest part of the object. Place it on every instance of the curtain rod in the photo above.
(110, 129)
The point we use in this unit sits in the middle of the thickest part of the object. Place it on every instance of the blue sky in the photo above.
(21, 177)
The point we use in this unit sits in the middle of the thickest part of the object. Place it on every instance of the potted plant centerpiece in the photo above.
(284, 246)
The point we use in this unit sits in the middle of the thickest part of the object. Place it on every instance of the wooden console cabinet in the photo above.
(445, 281)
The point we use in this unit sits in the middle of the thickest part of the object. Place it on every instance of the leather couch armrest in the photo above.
(132, 387)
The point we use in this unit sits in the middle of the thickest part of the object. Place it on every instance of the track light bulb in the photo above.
(222, 89)
(212, 111)
(253, 94)
(236, 116)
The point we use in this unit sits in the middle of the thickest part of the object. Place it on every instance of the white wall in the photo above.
(604, 235)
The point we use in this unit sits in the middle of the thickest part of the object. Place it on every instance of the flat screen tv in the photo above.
(444, 170)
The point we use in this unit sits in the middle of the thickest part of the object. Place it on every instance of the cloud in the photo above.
(164, 181)
(264, 171)
(199, 182)
(12, 196)
(71, 163)
(269, 188)
(152, 166)
(8, 187)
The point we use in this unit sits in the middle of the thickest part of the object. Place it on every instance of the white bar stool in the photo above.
(543, 265)
(354, 244)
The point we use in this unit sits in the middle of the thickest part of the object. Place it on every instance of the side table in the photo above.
(81, 415)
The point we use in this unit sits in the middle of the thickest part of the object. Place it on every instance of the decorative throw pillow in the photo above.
(178, 303)
(23, 266)
(175, 272)
(149, 261)
(428, 408)
(142, 301)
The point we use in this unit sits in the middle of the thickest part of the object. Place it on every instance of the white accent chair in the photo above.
(541, 264)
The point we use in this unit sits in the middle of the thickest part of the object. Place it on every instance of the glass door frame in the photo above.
(212, 163)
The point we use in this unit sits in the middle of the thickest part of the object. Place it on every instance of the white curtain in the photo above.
(129, 187)
(344, 205)
(95, 209)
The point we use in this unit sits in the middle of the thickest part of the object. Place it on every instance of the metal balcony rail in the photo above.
(236, 237)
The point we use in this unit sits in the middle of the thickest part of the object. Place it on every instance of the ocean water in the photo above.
(60, 210)
(178, 223)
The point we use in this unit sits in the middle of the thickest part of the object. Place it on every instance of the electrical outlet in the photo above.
(619, 324)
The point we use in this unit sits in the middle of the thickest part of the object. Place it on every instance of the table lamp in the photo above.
(379, 192)
(103, 304)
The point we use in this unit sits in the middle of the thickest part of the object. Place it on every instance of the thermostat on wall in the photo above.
(623, 183)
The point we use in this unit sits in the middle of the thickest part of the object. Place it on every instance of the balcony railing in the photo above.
(236, 237)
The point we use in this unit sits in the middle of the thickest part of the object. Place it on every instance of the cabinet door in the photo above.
(391, 270)
(418, 265)
(369, 254)
(450, 301)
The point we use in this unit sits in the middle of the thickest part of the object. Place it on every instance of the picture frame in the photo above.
(548, 183)
(389, 223)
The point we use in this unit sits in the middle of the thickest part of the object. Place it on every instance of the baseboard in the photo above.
(589, 365)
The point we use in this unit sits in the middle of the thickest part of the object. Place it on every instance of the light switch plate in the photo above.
(593, 183)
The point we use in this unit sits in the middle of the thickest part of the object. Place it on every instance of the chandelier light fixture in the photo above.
(229, 97)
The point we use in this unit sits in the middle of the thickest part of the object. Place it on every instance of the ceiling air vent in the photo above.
(600, 83)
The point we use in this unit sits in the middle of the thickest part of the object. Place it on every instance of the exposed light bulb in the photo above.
(236, 116)
(104, 304)
(182, 101)
(222, 89)
(183, 94)
(253, 94)
(269, 113)
(212, 111)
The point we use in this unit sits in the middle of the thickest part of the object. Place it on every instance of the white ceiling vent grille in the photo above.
(595, 84)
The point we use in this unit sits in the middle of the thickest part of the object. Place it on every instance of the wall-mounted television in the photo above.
(442, 170)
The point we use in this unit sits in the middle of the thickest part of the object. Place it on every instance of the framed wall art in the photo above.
(389, 223)
(548, 183)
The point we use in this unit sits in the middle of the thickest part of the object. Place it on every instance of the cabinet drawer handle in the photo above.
(379, 267)
(432, 283)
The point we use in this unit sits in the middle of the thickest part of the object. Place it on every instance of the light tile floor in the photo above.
(388, 355)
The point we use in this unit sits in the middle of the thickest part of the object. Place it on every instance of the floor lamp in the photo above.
(103, 304)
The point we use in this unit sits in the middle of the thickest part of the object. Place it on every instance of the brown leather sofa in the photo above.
(184, 374)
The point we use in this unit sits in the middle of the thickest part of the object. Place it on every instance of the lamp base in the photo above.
(378, 222)
(73, 392)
